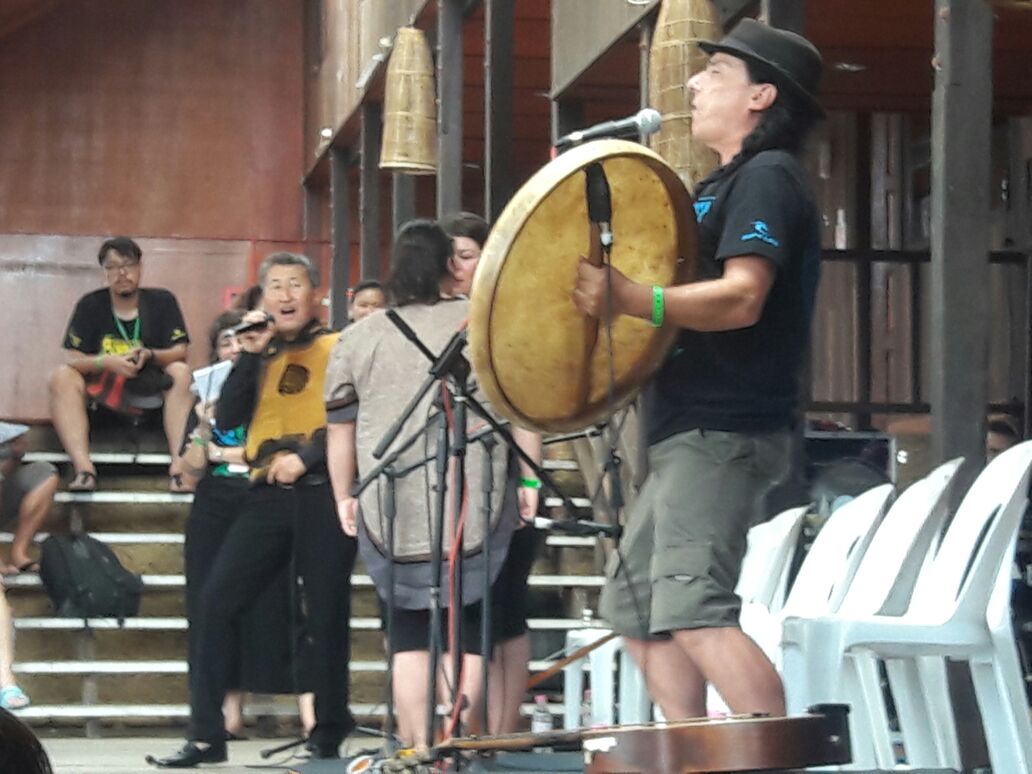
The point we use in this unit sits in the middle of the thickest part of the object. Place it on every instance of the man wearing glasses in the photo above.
(126, 348)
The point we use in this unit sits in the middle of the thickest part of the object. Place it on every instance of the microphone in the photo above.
(247, 327)
(578, 527)
(646, 121)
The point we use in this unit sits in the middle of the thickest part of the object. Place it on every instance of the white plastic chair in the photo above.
(826, 571)
(949, 616)
(633, 695)
(763, 581)
(768, 558)
(883, 583)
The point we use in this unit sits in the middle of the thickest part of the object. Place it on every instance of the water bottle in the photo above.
(541, 719)
(585, 711)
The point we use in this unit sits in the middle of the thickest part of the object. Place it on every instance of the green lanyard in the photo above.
(125, 334)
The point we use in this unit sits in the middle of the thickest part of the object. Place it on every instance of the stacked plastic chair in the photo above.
(883, 583)
(957, 611)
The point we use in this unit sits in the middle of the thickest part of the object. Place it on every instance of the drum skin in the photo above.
(541, 362)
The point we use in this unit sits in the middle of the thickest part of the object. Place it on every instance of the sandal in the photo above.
(84, 481)
(13, 698)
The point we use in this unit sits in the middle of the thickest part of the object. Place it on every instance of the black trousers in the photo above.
(279, 525)
(261, 650)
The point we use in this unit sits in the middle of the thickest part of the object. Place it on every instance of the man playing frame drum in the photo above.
(721, 409)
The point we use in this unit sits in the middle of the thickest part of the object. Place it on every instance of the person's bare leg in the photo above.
(176, 408)
(32, 515)
(233, 712)
(306, 712)
(674, 681)
(509, 674)
(68, 413)
(410, 677)
(737, 667)
(471, 693)
(6, 643)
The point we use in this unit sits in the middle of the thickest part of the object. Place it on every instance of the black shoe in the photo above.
(190, 756)
(323, 750)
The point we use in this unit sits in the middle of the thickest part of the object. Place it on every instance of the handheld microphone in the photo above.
(248, 327)
(578, 527)
(645, 121)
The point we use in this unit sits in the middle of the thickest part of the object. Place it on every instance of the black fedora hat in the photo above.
(795, 61)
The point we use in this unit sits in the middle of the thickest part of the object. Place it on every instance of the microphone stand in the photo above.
(387, 468)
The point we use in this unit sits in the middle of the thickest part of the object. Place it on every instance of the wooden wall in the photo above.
(178, 123)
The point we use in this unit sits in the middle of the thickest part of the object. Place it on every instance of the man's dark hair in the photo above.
(785, 125)
(124, 246)
(421, 252)
(20, 750)
(466, 224)
(225, 320)
(367, 284)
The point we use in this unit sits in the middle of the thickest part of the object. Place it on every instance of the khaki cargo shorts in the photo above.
(681, 553)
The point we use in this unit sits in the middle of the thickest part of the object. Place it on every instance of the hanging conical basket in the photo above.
(409, 108)
(675, 57)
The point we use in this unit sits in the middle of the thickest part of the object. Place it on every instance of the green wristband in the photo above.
(530, 483)
(658, 307)
(98, 362)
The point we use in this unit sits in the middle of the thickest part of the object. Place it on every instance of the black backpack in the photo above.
(84, 579)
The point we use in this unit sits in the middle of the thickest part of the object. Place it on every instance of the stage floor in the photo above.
(126, 756)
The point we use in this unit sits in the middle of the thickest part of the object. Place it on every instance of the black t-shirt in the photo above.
(746, 380)
(93, 329)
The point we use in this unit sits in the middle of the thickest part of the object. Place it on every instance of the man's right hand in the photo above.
(123, 365)
(347, 512)
(255, 341)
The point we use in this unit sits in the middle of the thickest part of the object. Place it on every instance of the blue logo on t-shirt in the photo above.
(761, 232)
(702, 206)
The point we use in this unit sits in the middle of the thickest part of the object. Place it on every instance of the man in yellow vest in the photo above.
(275, 391)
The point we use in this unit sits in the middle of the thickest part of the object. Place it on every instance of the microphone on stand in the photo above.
(645, 121)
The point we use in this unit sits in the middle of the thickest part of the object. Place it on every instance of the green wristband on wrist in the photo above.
(198, 440)
(530, 483)
(98, 362)
(658, 307)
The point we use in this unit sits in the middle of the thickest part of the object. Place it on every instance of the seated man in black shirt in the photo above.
(126, 349)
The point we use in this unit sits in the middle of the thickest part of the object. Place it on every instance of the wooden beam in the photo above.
(450, 15)
(369, 189)
(785, 14)
(340, 238)
(498, 106)
(403, 200)
(961, 125)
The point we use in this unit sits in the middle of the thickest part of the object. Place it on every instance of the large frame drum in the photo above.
(540, 361)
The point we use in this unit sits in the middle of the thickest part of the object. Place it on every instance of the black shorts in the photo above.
(411, 628)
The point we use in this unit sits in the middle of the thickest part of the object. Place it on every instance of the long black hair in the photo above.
(20, 750)
(421, 252)
(785, 125)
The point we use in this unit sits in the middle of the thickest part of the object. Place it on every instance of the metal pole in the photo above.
(498, 106)
(369, 191)
(450, 83)
(340, 238)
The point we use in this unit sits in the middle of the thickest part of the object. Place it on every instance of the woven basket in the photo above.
(675, 57)
(409, 107)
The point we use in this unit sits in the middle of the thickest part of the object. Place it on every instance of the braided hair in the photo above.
(783, 126)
